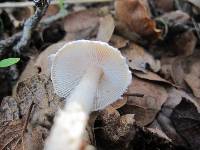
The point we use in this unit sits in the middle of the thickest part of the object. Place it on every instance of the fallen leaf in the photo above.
(186, 70)
(9, 110)
(10, 135)
(174, 17)
(192, 78)
(186, 119)
(136, 15)
(138, 58)
(39, 90)
(145, 108)
(164, 5)
(51, 11)
(148, 75)
(106, 29)
(118, 41)
(163, 120)
(29, 71)
(119, 103)
(185, 43)
(81, 24)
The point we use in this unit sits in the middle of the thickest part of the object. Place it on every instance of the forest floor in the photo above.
(161, 42)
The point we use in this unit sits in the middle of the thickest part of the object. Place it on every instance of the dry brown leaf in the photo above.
(193, 78)
(51, 11)
(119, 103)
(29, 71)
(138, 58)
(186, 119)
(186, 69)
(136, 15)
(9, 110)
(175, 17)
(81, 25)
(82, 20)
(106, 28)
(10, 134)
(185, 43)
(118, 41)
(145, 108)
(38, 64)
(148, 75)
(164, 5)
(163, 120)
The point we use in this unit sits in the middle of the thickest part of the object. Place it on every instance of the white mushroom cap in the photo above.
(74, 58)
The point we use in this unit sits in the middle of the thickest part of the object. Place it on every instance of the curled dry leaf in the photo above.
(148, 75)
(145, 108)
(106, 28)
(136, 15)
(138, 58)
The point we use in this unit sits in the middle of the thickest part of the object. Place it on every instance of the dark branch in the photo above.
(29, 27)
(22, 39)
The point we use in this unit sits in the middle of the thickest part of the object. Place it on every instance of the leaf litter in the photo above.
(161, 107)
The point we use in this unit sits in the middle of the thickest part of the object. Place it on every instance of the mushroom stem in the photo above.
(69, 126)
(85, 92)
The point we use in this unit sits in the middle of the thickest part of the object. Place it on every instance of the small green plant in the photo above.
(8, 62)
(61, 5)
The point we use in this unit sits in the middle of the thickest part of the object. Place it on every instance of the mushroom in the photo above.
(90, 75)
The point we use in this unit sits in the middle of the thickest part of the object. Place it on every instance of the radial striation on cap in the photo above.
(74, 58)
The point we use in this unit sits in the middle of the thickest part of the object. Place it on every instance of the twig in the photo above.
(26, 4)
(54, 18)
(29, 27)
(27, 118)
(25, 126)
(133, 94)
(8, 43)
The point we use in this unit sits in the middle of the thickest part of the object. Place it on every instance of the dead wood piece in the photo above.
(29, 27)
